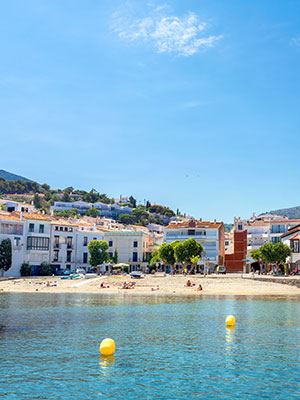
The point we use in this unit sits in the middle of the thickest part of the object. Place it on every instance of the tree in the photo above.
(5, 255)
(275, 253)
(154, 258)
(92, 212)
(37, 201)
(194, 261)
(98, 252)
(45, 187)
(66, 197)
(45, 269)
(180, 252)
(132, 201)
(127, 219)
(256, 255)
(73, 212)
(192, 248)
(26, 269)
(166, 253)
(115, 257)
(148, 204)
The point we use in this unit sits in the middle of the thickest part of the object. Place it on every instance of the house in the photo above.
(292, 239)
(11, 206)
(132, 247)
(209, 234)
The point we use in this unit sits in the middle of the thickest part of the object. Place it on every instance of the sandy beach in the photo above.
(168, 285)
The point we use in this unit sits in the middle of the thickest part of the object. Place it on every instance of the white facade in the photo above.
(132, 247)
(264, 229)
(13, 229)
(210, 235)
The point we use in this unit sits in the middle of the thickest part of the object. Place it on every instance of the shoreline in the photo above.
(168, 285)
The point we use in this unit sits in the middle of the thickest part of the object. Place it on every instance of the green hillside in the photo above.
(293, 212)
(9, 176)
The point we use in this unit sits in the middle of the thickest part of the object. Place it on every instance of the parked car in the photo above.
(221, 269)
(63, 272)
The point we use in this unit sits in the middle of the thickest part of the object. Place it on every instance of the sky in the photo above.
(191, 104)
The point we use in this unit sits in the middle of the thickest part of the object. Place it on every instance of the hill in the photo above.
(293, 212)
(9, 176)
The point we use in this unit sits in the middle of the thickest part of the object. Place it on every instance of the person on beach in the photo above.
(199, 287)
(188, 284)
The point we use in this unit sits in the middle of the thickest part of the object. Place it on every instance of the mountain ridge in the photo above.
(9, 176)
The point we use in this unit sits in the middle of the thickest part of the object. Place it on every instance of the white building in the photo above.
(11, 206)
(292, 239)
(264, 229)
(209, 234)
(132, 247)
(12, 228)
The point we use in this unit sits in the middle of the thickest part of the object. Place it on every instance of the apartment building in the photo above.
(10, 206)
(264, 229)
(211, 235)
(132, 247)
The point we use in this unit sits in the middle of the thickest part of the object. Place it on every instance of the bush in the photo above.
(26, 269)
(45, 269)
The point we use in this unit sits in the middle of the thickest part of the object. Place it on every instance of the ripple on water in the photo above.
(167, 347)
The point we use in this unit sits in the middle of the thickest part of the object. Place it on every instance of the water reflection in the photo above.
(106, 365)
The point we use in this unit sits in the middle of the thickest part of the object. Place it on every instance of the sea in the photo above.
(167, 347)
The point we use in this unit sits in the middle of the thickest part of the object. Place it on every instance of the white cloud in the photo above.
(168, 34)
(296, 41)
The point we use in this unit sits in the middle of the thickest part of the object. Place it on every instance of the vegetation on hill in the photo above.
(292, 212)
(141, 215)
(9, 176)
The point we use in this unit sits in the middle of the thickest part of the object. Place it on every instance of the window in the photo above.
(94, 238)
(85, 241)
(41, 230)
(61, 228)
(66, 229)
(69, 242)
(278, 229)
(134, 256)
(110, 243)
(276, 239)
(56, 242)
(56, 228)
(55, 255)
(12, 229)
(191, 232)
(135, 244)
(31, 227)
(17, 241)
(37, 243)
(110, 255)
(69, 255)
(240, 227)
(296, 246)
(85, 258)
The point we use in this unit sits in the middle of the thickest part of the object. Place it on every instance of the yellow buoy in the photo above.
(230, 320)
(107, 347)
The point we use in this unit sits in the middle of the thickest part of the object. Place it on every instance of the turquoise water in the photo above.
(167, 347)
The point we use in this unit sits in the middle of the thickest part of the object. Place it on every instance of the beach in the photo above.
(150, 285)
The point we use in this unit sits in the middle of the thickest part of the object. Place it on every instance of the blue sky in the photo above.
(190, 104)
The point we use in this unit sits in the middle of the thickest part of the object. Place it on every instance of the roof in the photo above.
(63, 222)
(33, 215)
(296, 237)
(292, 230)
(194, 224)
(9, 217)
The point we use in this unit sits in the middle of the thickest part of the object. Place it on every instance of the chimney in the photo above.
(200, 219)
(215, 221)
(21, 216)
